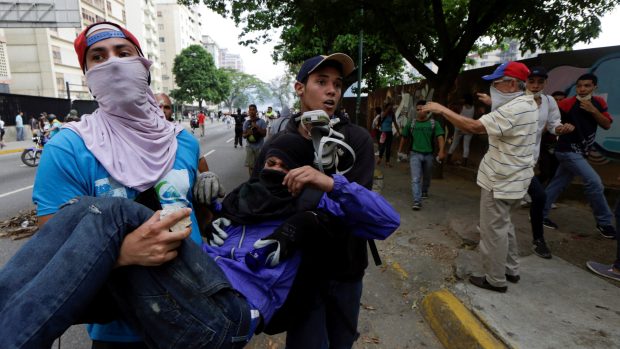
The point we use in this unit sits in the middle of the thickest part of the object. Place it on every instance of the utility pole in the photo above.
(360, 50)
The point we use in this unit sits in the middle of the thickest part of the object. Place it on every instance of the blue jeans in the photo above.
(571, 165)
(19, 134)
(421, 171)
(332, 323)
(56, 279)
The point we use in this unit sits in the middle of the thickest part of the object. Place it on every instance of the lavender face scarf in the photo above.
(128, 133)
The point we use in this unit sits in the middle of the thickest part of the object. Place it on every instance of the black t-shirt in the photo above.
(239, 119)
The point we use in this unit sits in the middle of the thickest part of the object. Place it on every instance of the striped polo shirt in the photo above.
(507, 167)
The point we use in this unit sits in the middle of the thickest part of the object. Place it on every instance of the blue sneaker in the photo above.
(604, 270)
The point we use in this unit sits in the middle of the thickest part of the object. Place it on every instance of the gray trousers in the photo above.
(498, 242)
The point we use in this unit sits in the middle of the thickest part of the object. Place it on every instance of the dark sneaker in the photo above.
(424, 195)
(549, 224)
(608, 231)
(482, 282)
(513, 278)
(605, 270)
(540, 249)
(416, 206)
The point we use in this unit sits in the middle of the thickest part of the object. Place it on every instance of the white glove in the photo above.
(208, 187)
(218, 235)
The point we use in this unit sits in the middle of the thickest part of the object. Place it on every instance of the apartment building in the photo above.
(230, 60)
(142, 23)
(5, 68)
(213, 48)
(179, 27)
(43, 61)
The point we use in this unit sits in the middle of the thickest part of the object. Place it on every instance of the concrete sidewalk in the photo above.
(15, 146)
(557, 303)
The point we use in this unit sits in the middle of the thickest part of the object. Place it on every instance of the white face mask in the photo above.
(120, 85)
(584, 98)
(499, 98)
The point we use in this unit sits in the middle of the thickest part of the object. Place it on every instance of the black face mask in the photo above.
(272, 180)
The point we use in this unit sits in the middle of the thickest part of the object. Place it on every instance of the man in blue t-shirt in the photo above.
(123, 149)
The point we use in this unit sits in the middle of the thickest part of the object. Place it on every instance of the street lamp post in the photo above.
(358, 100)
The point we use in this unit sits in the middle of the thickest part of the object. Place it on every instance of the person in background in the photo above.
(559, 95)
(549, 122)
(467, 110)
(201, 123)
(424, 132)
(2, 131)
(376, 127)
(587, 113)
(55, 126)
(387, 120)
(72, 116)
(19, 126)
(239, 120)
(254, 131)
(165, 104)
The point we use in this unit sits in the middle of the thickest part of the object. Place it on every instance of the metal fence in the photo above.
(33, 106)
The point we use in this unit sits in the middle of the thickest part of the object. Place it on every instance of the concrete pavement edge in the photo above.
(454, 325)
(9, 151)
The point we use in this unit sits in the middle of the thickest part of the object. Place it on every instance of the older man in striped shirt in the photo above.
(505, 171)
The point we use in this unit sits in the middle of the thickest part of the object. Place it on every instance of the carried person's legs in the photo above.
(62, 268)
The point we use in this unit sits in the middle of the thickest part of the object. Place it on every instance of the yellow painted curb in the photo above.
(9, 151)
(454, 325)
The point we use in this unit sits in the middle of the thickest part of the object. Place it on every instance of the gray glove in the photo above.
(207, 188)
(218, 235)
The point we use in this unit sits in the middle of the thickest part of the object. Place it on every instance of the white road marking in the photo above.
(209, 153)
(230, 140)
(15, 191)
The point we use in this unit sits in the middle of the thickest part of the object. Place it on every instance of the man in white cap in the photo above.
(505, 171)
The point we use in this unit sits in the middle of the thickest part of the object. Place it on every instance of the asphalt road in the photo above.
(16, 193)
(15, 185)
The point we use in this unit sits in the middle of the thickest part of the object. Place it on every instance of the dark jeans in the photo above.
(239, 136)
(52, 281)
(333, 321)
(537, 193)
(386, 147)
(617, 214)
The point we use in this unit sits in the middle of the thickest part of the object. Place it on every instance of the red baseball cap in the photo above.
(88, 37)
(515, 70)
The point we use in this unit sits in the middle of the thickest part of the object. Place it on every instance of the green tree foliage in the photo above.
(197, 78)
(441, 32)
(245, 89)
(281, 89)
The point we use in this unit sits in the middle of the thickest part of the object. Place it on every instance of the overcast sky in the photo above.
(224, 32)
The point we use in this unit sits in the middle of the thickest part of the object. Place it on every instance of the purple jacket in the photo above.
(368, 213)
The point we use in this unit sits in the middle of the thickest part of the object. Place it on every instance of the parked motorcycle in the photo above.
(31, 156)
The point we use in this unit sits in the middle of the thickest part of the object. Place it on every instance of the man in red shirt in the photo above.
(201, 123)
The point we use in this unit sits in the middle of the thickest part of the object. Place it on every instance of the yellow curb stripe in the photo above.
(9, 151)
(454, 325)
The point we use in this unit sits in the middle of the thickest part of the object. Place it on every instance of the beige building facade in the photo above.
(42, 60)
(179, 27)
(142, 23)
